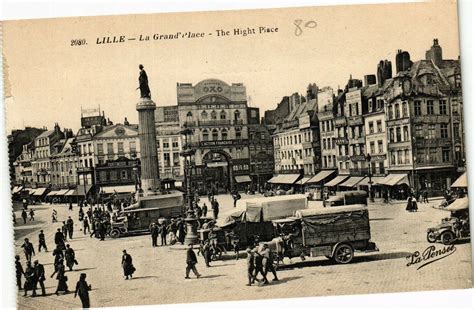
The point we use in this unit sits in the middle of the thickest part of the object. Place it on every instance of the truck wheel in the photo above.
(430, 237)
(447, 237)
(343, 254)
(115, 233)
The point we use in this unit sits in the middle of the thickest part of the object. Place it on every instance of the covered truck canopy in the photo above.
(265, 209)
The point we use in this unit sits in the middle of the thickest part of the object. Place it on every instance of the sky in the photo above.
(51, 80)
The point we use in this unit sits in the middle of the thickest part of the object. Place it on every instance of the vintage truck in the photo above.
(332, 232)
(137, 218)
(346, 198)
(253, 223)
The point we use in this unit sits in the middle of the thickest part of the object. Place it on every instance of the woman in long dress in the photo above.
(61, 277)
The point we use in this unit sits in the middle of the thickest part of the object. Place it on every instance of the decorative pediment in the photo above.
(117, 131)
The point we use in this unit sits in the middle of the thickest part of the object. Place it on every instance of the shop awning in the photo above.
(321, 176)
(303, 181)
(284, 179)
(461, 181)
(458, 204)
(242, 179)
(81, 191)
(52, 193)
(337, 180)
(62, 192)
(352, 181)
(119, 189)
(395, 179)
(72, 192)
(375, 180)
(38, 191)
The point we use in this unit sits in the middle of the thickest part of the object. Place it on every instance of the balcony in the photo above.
(340, 121)
(399, 145)
(215, 122)
(431, 119)
(358, 140)
(421, 142)
(355, 120)
(342, 158)
(341, 141)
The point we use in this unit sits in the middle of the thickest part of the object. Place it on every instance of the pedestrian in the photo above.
(102, 230)
(215, 208)
(32, 215)
(154, 231)
(28, 249)
(42, 242)
(70, 226)
(181, 231)
(409, 206)
(58, 254)
(191, 261)
(59, 238)
(250, 266)
(29, 279)
(236, 196)
(19, 272)
(128, 268)
(414, 205)
(206, 252)
(54, 216)
(64, 230)
(59, 270)
(235, 245)
(163, 233)
(198, 211)
(267, 262)
(70, 256)
(425, 196)
(173, 229)
(24, 215)
(204, 210)
(39, 277)
(82, 289)
(70, 205)
(86, 227)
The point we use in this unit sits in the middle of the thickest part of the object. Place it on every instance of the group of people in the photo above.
(175, 228)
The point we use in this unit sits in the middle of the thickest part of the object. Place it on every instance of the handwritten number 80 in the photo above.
(308, 24)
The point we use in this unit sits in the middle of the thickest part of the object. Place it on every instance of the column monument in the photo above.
(150, 178)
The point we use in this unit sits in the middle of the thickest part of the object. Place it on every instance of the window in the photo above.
(442, 107)
(238, 133)
(110, 148)
(123, 174)
(237, 115)
(429, 107)
(456, 130)
(120, 147)
(189, 116)
(372, 147)
(407, 157)
(166, 145)
(392, 135)
(444, 131)
(113, 175)
(390, 112)
(166, 157)
(380, 145)
(405, 133)
(399, 134)
(133, 147)
(433, 154)
(397, 110)
(103, 176)
(371, 127)
(203, 115)
(401, 157)
(215, 135)
(379, 126)
(445, 154)
(392, 158)
(431, 131)
(419, 131)
(223, 114)
(224, 134)
(404, 109)
(454, 106)
(176, 159)
(417, 107)
(100, 149)
(350, 109)
(213, 115)
(420, 156)
(174, 143)
(205, 135)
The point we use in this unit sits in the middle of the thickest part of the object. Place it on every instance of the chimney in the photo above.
(369, 79)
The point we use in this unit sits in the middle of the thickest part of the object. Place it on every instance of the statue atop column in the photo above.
(143, 84)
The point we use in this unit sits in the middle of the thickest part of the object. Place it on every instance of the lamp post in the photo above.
(368, 158)
(191, 220)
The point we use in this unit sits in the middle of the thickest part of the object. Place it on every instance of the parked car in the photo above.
(346, 198)
(454, 227)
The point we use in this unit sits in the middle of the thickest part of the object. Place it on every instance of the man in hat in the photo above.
(82, 289)
(19, 271)
(250, 266)
(267, 263)
(154, 231)
(59, 238)
(191, 261)
(39, 277)
(28, 249)
(42, 242)
(70, 226)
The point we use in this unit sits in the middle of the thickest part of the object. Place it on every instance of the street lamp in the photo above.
(191, 220)
(368, 158)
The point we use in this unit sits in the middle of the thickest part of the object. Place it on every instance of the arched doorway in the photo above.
(217, 172)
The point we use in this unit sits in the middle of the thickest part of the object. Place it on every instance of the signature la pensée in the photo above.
(429, 255)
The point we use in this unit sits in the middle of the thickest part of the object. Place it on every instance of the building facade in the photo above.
(217, 114)
(64, 162)
(326, 128)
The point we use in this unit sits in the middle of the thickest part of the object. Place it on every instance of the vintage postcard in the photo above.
(236, 155)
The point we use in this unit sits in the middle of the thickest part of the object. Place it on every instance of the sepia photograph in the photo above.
(187, 157)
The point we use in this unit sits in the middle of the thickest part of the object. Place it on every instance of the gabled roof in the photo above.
(45, 134)
(118, 131)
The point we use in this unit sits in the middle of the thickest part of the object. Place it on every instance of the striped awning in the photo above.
(395, 179)
(375, 180)
(337, 180)
(461, 181)
(323, 174)
(119, 189)
(52, 193)
(38, 191)
(284, 179)
(352, 181)
(242, 179)
(17, 189)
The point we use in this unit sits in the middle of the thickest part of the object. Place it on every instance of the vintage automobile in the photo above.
(454, 227)
(137, 218)
(346, 198)
(333, 232)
